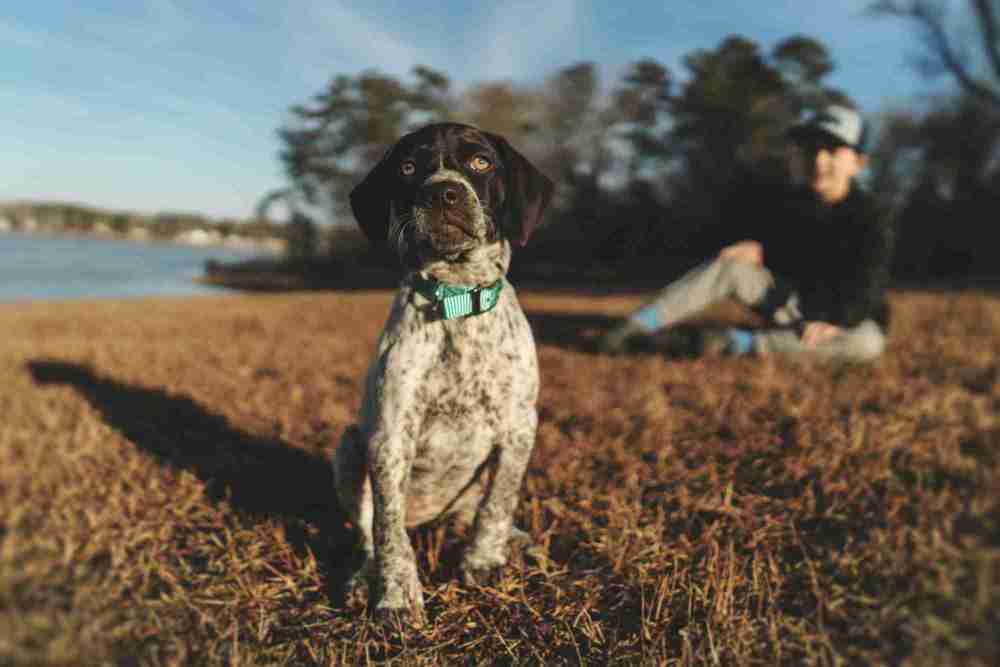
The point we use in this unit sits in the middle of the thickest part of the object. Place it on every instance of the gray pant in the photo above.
(755, 286)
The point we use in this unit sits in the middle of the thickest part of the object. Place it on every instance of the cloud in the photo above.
(525, 39)
(327, 37)
(470, 43)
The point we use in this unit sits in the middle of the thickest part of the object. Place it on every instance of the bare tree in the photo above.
(947, 53)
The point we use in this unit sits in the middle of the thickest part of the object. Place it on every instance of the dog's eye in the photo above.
(408, 168)
(480, 163)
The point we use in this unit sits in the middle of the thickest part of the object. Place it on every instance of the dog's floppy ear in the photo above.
(527, 191)
(370, 200)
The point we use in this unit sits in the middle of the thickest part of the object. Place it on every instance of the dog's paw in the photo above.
(523, 547)
(395, 621)
(482, 576)
(519, 540)
(398, 596)
(480, 570)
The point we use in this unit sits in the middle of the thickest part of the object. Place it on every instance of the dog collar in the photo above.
(453, 301)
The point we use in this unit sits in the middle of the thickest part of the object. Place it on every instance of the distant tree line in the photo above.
(642, 163)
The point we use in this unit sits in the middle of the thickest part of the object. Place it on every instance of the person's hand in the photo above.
(817, 333)
(748, 251)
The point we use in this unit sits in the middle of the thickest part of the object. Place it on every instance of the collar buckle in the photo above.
(449, 302)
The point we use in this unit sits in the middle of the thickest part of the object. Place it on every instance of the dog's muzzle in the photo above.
(451, 204)
(445, 194)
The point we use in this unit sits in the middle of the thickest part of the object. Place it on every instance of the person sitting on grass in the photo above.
(814, 260)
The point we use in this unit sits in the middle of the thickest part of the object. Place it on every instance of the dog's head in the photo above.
(448, 188)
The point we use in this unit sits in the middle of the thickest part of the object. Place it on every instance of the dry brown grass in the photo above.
(164, 497)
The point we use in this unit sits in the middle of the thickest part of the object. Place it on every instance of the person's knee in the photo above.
(868, 344)
(748, 282)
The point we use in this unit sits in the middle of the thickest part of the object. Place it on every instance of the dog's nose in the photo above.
(445, 194)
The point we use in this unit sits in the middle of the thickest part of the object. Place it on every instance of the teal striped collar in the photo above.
(450, 302)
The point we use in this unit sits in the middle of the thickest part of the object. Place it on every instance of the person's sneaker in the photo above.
(727, 342)
(682, 342)
(617, 340)
(679, 341)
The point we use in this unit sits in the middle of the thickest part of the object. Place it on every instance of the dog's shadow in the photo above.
(256, 475)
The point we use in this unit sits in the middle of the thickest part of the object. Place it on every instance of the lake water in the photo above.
(36, 268)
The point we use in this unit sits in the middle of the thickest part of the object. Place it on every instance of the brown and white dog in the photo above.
(449, 415)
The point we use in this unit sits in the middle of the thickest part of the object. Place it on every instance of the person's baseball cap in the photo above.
(842, 124)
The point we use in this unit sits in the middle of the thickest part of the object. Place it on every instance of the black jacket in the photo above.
(836, 257)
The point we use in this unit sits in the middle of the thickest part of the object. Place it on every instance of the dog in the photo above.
(448, 419)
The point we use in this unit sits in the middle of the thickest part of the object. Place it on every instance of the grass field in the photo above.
(164, 496)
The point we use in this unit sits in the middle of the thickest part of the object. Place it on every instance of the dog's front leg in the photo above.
(487, 553)
(395, 586)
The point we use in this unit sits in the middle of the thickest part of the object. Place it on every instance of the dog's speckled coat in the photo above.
(448, 420)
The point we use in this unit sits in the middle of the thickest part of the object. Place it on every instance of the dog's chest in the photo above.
(481, 360)
(477, 368)
(467, 378)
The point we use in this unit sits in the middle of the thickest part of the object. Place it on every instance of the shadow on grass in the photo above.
(578, 331)
(255, 475)
(582, 332)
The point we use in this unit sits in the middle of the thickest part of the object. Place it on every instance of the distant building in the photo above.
(199, 237)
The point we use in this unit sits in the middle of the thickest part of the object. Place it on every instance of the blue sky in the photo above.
(153, 105)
